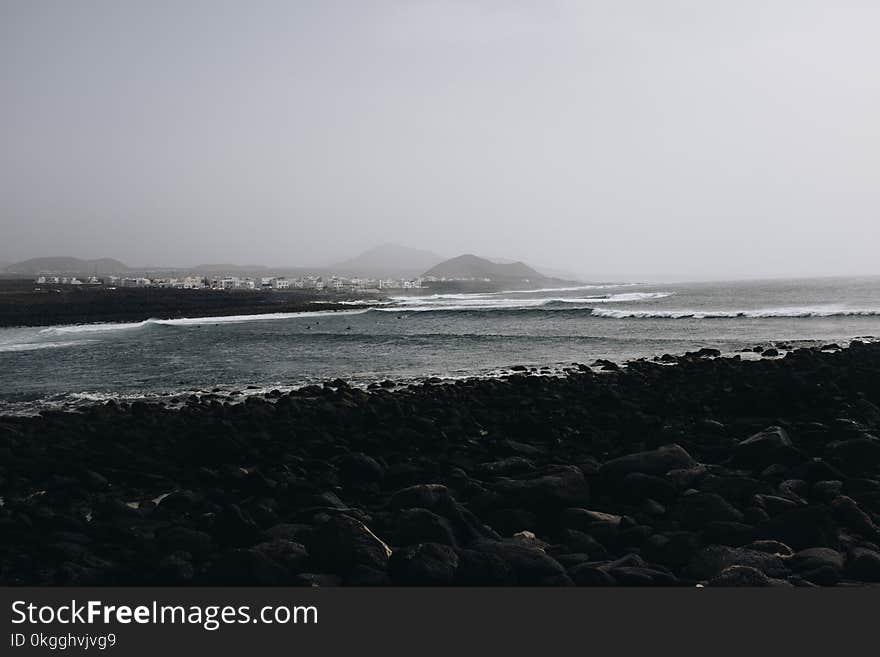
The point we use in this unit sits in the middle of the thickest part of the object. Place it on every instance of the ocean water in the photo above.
(412, 338)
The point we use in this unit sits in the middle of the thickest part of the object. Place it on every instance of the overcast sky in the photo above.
(628, 138)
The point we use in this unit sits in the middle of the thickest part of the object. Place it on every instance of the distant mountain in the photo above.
(471, 266)
(66, 265)
(388, 260)
(547, 271)
(227, 268)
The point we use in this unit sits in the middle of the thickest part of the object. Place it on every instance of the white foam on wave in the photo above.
(235, 319)
(34, 346)
(575, 288)
(619, 298)
(194, 321)
(485, 302)
(490, 295)
(760, 313)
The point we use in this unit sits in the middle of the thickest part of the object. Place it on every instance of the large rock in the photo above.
(727, 532)
(438, 499)
(531, 567)
(710, 561)
(176, 569)
(240, 567)
(801, 528)
(235, 527)
(847, 512)
(700, 508)
(763, 447)
(290, 555)
(855, 455)
(740, 576)
(655, 462)
(551, 489)
(174, 539)
(360, 468)
(435, 497)
(424, 564)
(588, 574)
(476, 568)
(863, 564)
(422, 526)
(343, 542)
(813, 558)
(633, 570)
(506, 467)
(638, 486)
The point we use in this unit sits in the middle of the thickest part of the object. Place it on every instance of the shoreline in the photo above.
(712, 470)
(70, 306)
(230, 394)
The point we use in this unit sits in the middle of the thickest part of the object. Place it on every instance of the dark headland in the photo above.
(707, 470)
(23, 305)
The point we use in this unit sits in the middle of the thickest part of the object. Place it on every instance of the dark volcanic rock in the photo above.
(235, 527)
(246, 568)
(587, 574)
(802, 528)
(439, 500)
(847, 513)
(420, 526)
(863, 564)
(740, 576)
(763, 447)
(710, 561)
(424, 564)
(551, 489)
(291, 556)
(530, 566)
(656, 462)
(343, 542)
(698, 509)
(360, 468)
(635, 476)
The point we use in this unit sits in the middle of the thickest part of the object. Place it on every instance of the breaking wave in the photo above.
(34, 346)
(473, 302)
(761, 313)
(192, 321)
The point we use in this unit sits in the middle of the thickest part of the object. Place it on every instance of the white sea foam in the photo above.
(194, 321)
(449, 302)
(619, 298)
(759, 313)
(574, 288)
(35, 346)
(490, 295)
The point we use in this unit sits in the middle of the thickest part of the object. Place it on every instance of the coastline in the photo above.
(20, 308)
(710, 470)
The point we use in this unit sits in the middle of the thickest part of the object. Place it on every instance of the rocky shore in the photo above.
(697, 470)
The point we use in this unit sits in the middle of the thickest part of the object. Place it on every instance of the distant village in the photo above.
(331, 283)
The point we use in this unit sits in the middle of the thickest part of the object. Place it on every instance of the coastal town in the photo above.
(223, 282)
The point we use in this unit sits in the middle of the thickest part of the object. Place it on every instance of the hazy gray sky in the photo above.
(629, 138)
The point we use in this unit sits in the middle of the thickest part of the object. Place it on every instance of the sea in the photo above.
(420, 337)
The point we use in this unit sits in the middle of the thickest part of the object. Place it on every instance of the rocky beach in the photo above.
(692, 470)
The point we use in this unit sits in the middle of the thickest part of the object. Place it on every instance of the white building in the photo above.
(192, 282)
